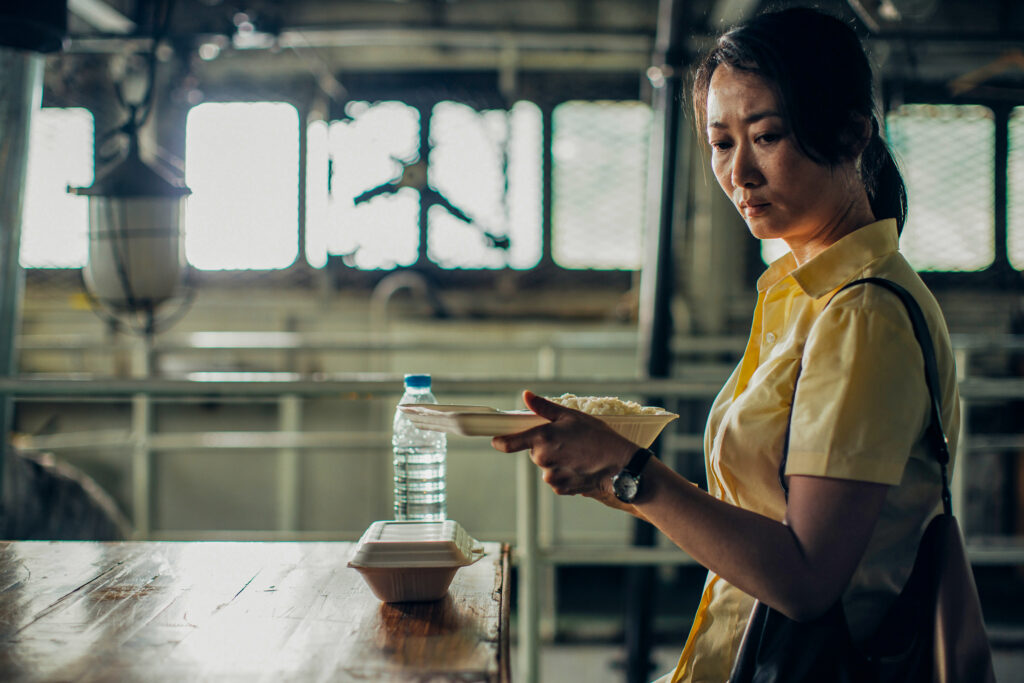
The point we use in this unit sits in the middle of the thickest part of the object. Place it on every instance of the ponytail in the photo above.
(881, 176)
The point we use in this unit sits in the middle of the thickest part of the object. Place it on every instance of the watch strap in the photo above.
(639, 460)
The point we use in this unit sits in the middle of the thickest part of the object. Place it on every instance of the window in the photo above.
(945, 153)
(1015, 190)
(242, 164)
(488, 166)
(481, 190)
(375, 149)
(479, 193)
(773, 249)
(55, 224)
(600, 174)
(482, 186)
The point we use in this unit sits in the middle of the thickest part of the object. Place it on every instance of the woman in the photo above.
(786, 104)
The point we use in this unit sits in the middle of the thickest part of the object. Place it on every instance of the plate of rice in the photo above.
(638, 423)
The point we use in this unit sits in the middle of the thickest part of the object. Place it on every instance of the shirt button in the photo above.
(769, 338)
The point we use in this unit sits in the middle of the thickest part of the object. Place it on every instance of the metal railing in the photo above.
(532, 554)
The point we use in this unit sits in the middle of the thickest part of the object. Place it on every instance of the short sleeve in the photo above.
(861, 400)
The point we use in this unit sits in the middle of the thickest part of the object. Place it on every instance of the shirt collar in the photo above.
(838, 263)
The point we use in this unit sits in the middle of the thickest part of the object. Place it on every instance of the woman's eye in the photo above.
(720, 145)
(768, 137)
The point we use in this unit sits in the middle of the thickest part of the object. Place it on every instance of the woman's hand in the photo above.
(578, 453)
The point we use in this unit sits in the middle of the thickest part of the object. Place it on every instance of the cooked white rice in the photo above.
(604, 405)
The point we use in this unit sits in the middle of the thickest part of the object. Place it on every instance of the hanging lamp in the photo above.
(136, 255)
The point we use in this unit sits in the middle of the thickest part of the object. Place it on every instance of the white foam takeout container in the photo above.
(413, 561)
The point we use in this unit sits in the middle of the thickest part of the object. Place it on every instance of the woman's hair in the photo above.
(824, 83)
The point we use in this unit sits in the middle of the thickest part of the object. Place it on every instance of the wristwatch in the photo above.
(626, 484)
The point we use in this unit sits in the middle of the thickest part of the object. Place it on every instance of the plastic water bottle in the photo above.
(419, 460)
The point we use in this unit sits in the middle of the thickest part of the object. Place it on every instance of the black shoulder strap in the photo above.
(936, 435)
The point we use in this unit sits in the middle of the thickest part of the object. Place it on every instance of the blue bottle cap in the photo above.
(417, 381)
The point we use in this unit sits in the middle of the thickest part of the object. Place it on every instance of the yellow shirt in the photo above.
(860, 412)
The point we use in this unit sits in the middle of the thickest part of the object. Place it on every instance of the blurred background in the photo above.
(505, 194)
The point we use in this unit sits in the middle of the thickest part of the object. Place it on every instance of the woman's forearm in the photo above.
(799, 576)
(756, 554)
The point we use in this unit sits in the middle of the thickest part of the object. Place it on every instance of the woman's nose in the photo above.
(745, 170)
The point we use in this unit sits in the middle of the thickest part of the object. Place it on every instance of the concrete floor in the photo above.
(588, 647)
(591, 663)
(602, 664)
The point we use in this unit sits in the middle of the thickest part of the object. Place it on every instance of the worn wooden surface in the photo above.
(86, 611)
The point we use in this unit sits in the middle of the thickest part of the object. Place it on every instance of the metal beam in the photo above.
(666, 180)
(362, 385)
(357, 385)
(389, 36)
(20, 95)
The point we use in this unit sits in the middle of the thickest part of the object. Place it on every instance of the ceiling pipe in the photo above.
(101, 16)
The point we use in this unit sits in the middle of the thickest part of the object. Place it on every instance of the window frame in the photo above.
(479, 90)
(422, 90)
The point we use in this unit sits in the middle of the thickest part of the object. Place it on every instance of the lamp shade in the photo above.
(136, 251)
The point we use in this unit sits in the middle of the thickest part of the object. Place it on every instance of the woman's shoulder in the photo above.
(873, 300)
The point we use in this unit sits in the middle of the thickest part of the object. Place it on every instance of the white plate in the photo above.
(470, 420)
(483, 421)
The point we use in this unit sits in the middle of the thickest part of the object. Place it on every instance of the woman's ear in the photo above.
(858, 134)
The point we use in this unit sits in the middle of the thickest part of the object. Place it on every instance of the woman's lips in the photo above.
(754, 209)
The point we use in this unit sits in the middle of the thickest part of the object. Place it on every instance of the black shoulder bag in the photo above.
(934, 630)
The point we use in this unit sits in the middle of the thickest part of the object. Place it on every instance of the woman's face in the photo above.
(779, 190)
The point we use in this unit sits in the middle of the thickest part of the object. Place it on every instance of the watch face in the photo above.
(625, 486)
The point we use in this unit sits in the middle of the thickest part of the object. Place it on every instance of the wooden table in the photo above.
(86, 611)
